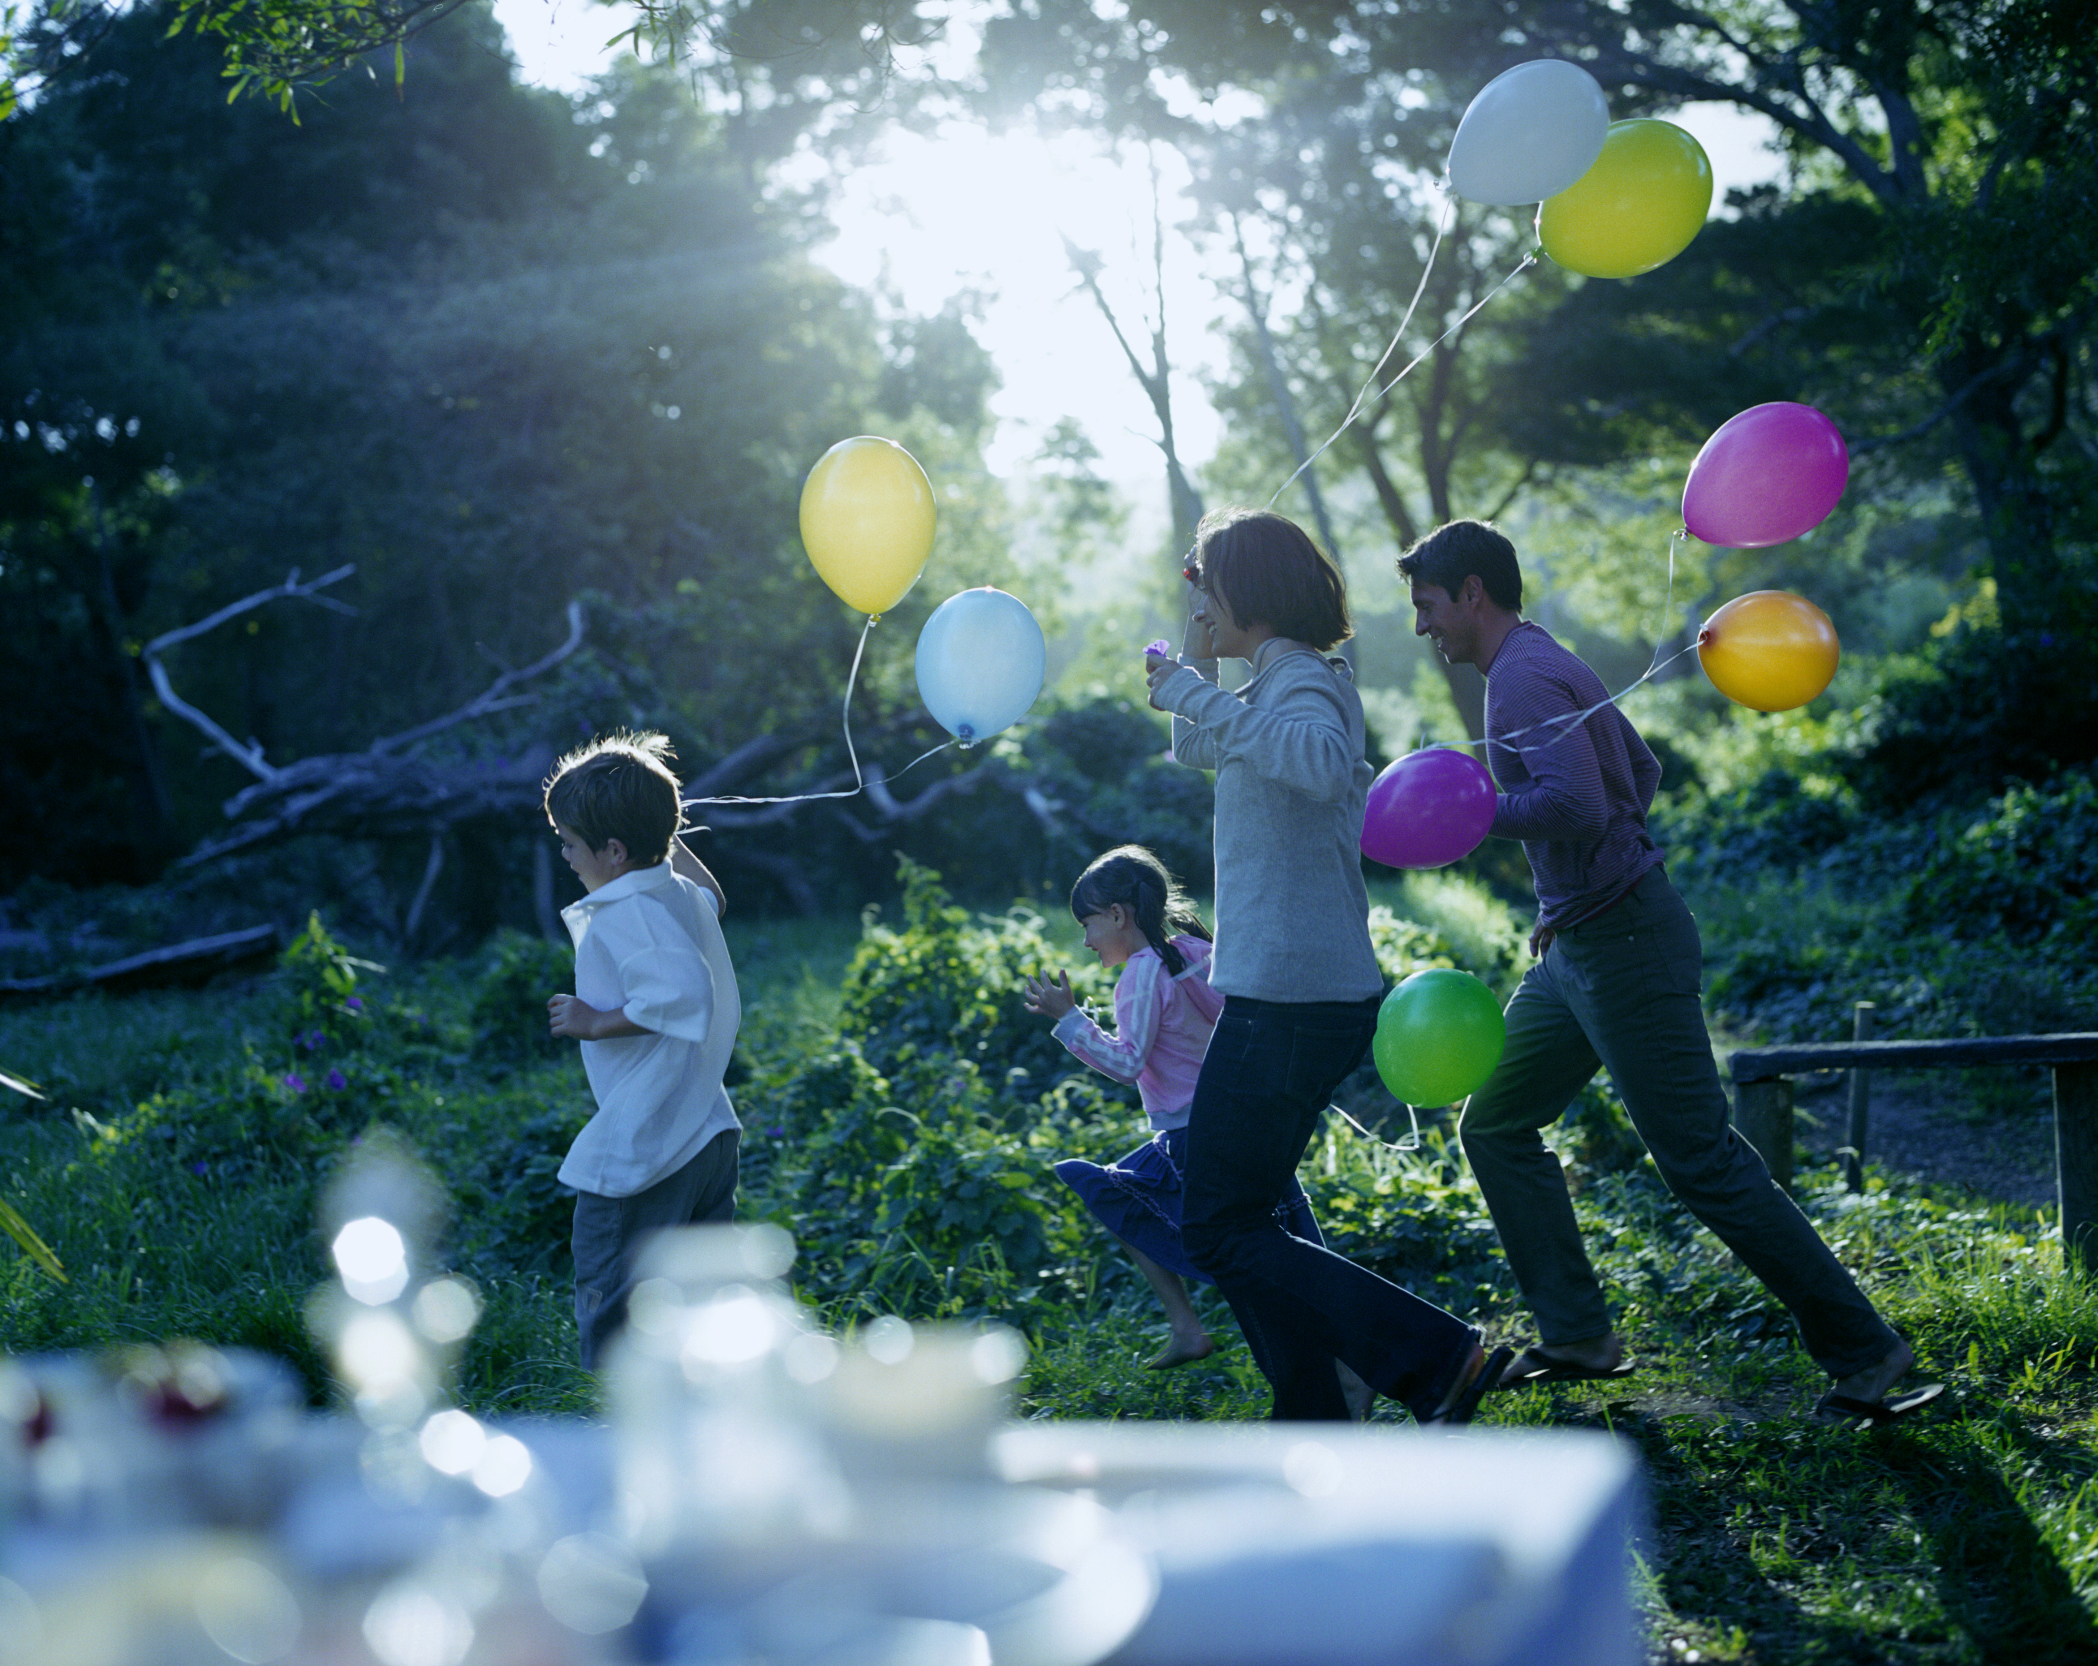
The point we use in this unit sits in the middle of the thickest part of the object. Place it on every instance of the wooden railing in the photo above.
(1763, 1105)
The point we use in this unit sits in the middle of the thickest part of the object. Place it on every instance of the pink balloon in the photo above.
(1428, 809)
(1764, 476)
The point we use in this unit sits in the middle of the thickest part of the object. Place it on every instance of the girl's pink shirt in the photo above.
(1162, 1028)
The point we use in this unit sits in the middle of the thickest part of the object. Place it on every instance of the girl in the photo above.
(1136, 918)
(1293, 960)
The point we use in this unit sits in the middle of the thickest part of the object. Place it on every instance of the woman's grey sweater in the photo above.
(1292, 914)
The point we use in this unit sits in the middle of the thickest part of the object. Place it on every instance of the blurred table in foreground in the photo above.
(1287, 1544)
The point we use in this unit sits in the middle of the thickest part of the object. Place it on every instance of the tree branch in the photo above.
(1973, 385)
(250, 756)
(491, 699)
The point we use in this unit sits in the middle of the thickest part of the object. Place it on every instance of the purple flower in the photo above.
(355, 1003)
(775, 1132)
(199, 1168)
(337, 1080)
(295, 1082)
(309, 1041)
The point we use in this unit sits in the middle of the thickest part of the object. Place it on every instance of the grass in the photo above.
(1969, 1535)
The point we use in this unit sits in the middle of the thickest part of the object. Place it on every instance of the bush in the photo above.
(2024, 871)
(509, 1006)
(949, 983)
(1977, 708)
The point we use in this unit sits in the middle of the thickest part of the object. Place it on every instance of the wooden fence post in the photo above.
(1763, 1117)
(2076, 1163)
(1860, 1101)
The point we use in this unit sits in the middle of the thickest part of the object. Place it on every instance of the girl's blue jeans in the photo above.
(1269, 1073)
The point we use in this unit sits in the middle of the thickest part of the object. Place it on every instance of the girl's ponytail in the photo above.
(1131, 876)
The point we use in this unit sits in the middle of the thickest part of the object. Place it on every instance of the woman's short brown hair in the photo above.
(1268, 572)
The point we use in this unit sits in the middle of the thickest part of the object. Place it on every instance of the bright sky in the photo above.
(961, 210)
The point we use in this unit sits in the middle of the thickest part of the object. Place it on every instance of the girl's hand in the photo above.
(1052, 999)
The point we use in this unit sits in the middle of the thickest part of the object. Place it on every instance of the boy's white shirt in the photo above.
(648, 944)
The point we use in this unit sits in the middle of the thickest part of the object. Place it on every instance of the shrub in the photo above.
(509, 1005)
(1105, 739)
(2025, 870)
(322, 1003)
(950, 983)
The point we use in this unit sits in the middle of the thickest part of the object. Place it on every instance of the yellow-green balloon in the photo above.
(1639, 206)
(1439, 1035)
(867, 521)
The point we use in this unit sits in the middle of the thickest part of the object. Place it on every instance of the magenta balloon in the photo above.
(1766, 475)
(1428, 809)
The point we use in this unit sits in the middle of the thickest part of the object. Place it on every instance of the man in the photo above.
(1616, 985)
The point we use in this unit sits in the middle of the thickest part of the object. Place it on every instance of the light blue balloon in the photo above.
(980, 663)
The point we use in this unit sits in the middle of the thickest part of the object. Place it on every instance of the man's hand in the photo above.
(568, 1016)
(1052, 999)
(1541, 938)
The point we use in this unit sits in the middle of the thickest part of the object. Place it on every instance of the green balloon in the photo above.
(1439, 1035)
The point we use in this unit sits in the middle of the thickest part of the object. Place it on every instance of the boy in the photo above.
(656, 1010)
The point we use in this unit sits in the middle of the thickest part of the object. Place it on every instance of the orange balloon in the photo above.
(1769, 650)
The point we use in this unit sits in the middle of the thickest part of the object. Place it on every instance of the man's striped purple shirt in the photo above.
(1576, 794)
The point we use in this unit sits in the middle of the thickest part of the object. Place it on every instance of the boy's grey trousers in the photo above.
(609, 1233)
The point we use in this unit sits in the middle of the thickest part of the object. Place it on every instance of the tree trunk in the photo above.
(2016, 516)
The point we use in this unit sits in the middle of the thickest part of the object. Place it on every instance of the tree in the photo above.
(490, 352)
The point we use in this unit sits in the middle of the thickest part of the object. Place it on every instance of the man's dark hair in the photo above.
(619, 787)
(1269, 572)
(1451, 554)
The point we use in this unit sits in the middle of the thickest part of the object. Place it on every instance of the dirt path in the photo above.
(1991, 1132)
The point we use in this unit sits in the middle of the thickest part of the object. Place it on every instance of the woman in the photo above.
(1294, 963)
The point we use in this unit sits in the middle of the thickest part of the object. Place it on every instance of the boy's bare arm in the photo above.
(682, 861)
(568, 1016)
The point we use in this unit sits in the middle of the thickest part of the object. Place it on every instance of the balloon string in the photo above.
(1412, 1142)
(1529, 260)
(1442, 227)
(859, 779)
(1566, 723)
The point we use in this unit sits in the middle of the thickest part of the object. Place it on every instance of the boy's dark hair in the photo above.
(619, 787)
(1451, 554)
(1132, 876)
(1269, 572)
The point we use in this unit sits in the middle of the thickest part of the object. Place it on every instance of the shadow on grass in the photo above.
(1998, 1579)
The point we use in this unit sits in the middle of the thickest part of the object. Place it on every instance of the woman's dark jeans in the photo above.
(1269, 1073)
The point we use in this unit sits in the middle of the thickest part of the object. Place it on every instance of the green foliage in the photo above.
(1951, 922)
(923, 1188)
(509, 1004)
(320, 989)
(949, 984)
(2025, 872)
(1978, 707)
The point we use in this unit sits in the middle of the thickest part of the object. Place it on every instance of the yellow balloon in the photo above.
(867, 520)
(1769, 650)
(1639, 206)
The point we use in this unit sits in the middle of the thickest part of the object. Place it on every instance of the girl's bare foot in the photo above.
(1181, 1350)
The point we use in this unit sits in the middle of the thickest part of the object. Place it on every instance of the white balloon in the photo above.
(980, 663)
(1532, 131)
